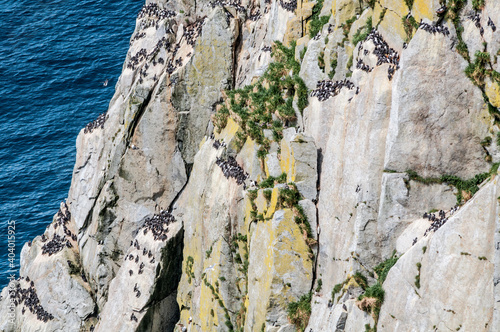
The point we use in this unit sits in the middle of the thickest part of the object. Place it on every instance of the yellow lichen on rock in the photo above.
(392, 28)
(287, 161)
(208, 304)
(343, 10)
(277, 247)
(272, 203)
(293, 30)
(261, 202)
(228, 133)
(423, 9)
(492, 90)
(291, 237)
(398, 7)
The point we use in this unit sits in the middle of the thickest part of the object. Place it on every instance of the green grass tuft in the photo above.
(362, 32)
(300, 311)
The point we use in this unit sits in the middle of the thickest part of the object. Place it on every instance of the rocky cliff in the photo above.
(283, 166)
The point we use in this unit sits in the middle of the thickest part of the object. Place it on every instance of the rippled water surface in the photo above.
(54, 56)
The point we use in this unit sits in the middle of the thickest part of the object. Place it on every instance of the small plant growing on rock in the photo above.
(371, 301)
(476, 71)
(321, 60)
(319, 285)
(417, 277)
(362, 32)
(300, 311)
(208, 252)
(486, 141)
(317, 22)
(267, 195)
(478, 4)
(333, 66)
(335, 290)
(189, 268)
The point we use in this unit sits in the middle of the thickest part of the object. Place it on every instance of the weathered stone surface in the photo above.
(458, 266)
(347, 209)
(310, 212)
(199, 86)
(342, 10)
(343, 315)
(436, 134)
(310, 71)
(392, 29)
(252, 60)
(58, 286)
(273, 165)
(425, 9)
(155, 285)
(280, 271)
(299, 162)
(212, 210)
(401, 202)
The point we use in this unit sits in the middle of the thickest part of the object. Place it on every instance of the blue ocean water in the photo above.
(54, 56)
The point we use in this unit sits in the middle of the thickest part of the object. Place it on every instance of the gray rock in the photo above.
(458, 266)
(432, 133)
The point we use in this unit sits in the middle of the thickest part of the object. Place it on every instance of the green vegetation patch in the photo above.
(289, 197)
(333, 66)
(300, 311)
(271, 181)
(478, 4)
(253, 106)
(486, 141)
(362, 32)
(476, 71)
(417, 277)
(410, 25)
(373, 298)
(317, 21)
(409, 3)
(466, 188)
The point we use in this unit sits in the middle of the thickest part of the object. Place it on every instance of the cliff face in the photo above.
(266, 165)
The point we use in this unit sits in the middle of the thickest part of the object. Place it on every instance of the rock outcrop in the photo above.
(283, 166)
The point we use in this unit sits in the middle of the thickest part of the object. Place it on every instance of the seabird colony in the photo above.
(326, 88)
(289, 6)
(29, 298)
(384, 53)
(152, 13)
(474, 16)
(437, 221)
(58, 242)
(430, 28)
(158, 225)
(99, 122)
(230, 168)
(236, 4)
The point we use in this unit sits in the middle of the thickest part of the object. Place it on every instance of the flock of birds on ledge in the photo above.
(29, 299)
(327, 88)
(58, 242)
(158, 225)
(99, 122)
(437, 221)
